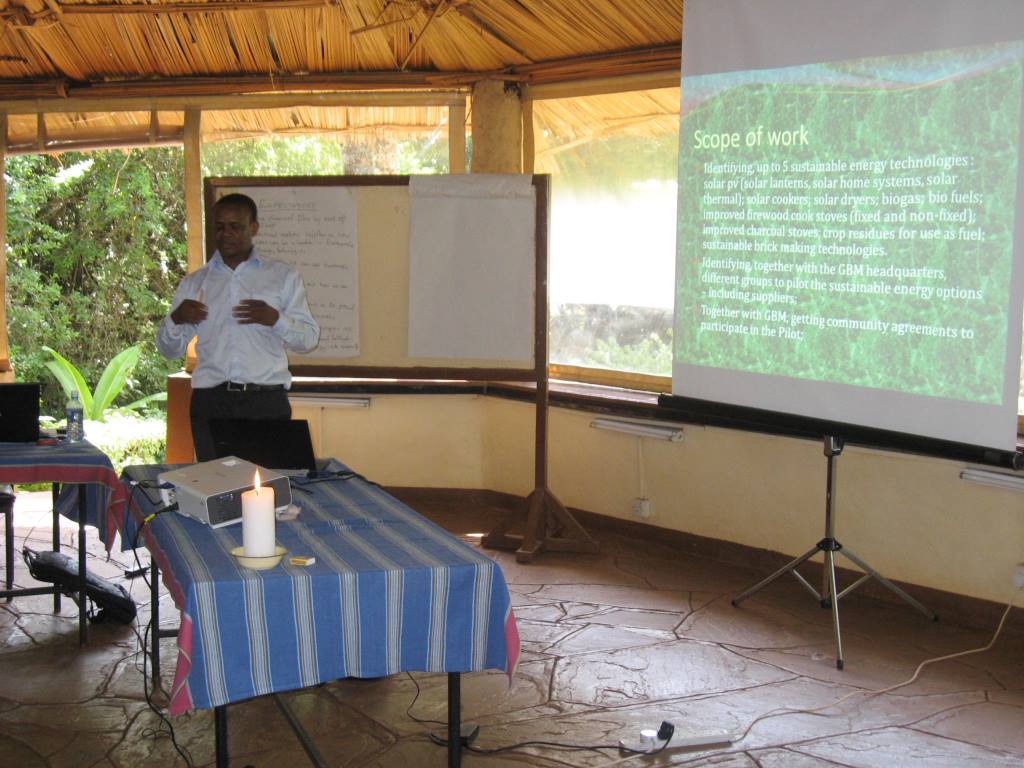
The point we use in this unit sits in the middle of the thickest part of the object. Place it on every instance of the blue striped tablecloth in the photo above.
(70, 464)
(389, 592)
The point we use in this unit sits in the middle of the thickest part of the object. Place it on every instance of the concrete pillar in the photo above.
(497, 127)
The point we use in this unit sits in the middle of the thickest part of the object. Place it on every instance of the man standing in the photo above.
(245, 311)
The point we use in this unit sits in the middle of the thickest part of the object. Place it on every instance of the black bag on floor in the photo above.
(113, 600)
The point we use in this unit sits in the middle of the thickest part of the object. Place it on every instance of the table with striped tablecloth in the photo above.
(91, 492)
(389, 592)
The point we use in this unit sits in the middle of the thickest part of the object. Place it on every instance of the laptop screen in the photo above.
(19, 413)
(274, 444)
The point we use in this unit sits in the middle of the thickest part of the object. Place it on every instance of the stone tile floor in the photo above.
(611, 644)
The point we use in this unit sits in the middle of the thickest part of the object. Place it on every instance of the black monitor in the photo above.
(19, 413)
(273, 444)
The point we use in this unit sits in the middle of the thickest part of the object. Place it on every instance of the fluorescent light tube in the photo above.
(1005, 480)
(654, 430)
(332, 402)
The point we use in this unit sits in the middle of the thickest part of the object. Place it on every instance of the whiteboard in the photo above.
(471, 261)
(314, 230)
(372, 327)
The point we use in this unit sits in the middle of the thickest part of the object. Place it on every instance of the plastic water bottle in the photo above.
(76, 419)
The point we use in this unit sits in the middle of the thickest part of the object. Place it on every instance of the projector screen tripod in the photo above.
(829, 596)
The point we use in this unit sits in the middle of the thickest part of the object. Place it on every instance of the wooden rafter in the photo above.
(19, 16)
(660, 59)
(75, 103)
(438, 10)
(115, 140)
(474, 19)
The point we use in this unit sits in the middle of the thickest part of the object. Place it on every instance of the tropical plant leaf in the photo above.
(70, 379)
(112, 380)
(65, 379)
(136, 404)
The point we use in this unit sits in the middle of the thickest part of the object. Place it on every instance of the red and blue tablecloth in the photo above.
(390, 592)
(70, 464)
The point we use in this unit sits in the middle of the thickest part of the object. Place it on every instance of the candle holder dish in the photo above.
(259, 563)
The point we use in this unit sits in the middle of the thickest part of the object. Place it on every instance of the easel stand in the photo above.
(829, 596)
(549, 525)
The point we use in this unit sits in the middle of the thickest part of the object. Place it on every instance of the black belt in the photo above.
(234, 386)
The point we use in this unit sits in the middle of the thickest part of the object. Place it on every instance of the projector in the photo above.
(211, 492)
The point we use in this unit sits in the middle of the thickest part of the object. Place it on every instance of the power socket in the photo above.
(1018, 576)
(642, 508)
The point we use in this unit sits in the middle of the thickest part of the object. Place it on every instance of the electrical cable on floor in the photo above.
(408, 710)
(888, 689)
(666, 728)
(145, 677)
(876, 692)
(549, 744)
(555, 745)
(144, 644)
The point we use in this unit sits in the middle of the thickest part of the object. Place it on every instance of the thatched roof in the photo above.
(564, 123)
(99, 70)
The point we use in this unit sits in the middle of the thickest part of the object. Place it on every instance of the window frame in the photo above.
(602, 86)
(610, 377)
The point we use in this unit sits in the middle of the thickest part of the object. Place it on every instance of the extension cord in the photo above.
(684, 739)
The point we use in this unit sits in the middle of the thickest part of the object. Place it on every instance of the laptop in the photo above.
(19, 413)
(280, 444)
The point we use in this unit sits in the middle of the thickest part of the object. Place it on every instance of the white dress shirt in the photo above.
(228, 350)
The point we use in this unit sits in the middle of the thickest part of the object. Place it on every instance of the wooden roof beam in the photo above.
(41, 132)
(21, 16)
(100, 140)
(664, 58)
(255, 101)
(661, 59)
(241, 84)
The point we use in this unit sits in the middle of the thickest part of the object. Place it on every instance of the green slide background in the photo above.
(964, 102)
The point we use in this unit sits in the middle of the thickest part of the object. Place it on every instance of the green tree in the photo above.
(95, 247)
(96, 242)
(322, 156)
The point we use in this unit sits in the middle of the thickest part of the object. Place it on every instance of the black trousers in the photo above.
(218, 403)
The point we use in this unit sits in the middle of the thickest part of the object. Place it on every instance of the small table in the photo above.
(389, 592)
(85, 489)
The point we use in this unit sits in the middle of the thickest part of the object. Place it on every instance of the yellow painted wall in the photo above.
(508, 444)
(404, 440)
(910, 517)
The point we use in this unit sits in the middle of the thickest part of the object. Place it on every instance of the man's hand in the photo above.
(189, 312)
(249, 311)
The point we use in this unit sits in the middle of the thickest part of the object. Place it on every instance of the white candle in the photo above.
(258, 520)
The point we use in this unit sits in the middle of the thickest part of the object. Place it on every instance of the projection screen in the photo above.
(849, 229)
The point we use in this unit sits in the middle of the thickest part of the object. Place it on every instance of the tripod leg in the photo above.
(833, 598)
(790, 566)
(885, 582)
